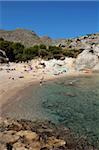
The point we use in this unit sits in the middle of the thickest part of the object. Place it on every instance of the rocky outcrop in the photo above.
(87, 46)
(3, 57)
(88, 59)
(28, 135)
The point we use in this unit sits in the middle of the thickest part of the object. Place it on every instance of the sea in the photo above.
(72, 101)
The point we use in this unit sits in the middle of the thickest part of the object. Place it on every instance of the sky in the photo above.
(57, 19)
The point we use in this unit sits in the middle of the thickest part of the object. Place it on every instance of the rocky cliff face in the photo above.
(88, 59)
(26, 37)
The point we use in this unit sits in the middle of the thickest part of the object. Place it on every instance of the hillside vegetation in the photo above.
(16, 52)
(24, 45)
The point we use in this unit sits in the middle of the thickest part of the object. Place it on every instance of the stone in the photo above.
(3, 57)
(2, 146)
(38, 136)
(86, 60)
(36, 145)
(8, 137)
(53, 142)
(29, 135)
(19, 146)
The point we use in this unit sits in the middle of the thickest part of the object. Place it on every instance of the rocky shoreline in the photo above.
(39, 135)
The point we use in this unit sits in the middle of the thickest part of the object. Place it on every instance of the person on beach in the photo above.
(41, 80)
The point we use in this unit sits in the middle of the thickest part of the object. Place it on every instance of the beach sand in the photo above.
(16, 77)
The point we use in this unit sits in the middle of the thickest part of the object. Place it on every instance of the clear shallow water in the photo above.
(71, 101)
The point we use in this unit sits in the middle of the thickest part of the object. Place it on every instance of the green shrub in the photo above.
(42, 46)
(17, 52)
(43, 53)
(7, 47)
(72, 52)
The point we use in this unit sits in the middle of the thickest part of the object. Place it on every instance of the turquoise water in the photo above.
(70, 101)
(75, 105)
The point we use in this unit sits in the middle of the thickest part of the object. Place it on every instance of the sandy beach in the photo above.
(15, 77)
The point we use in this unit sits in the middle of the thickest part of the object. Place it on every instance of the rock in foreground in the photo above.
(38, 135)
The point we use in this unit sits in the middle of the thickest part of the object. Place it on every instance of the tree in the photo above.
(7, 47)
(36, 47)
(18, 48)
(72, 52)
(43, 53)
(18, 51)
(30, 52)
(42, 46)
(55, 52)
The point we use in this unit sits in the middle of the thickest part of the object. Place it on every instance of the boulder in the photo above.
(53, 142)
(9, 136)
(3, 57)
(38, 135)
(29, 135)
(88, 59)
